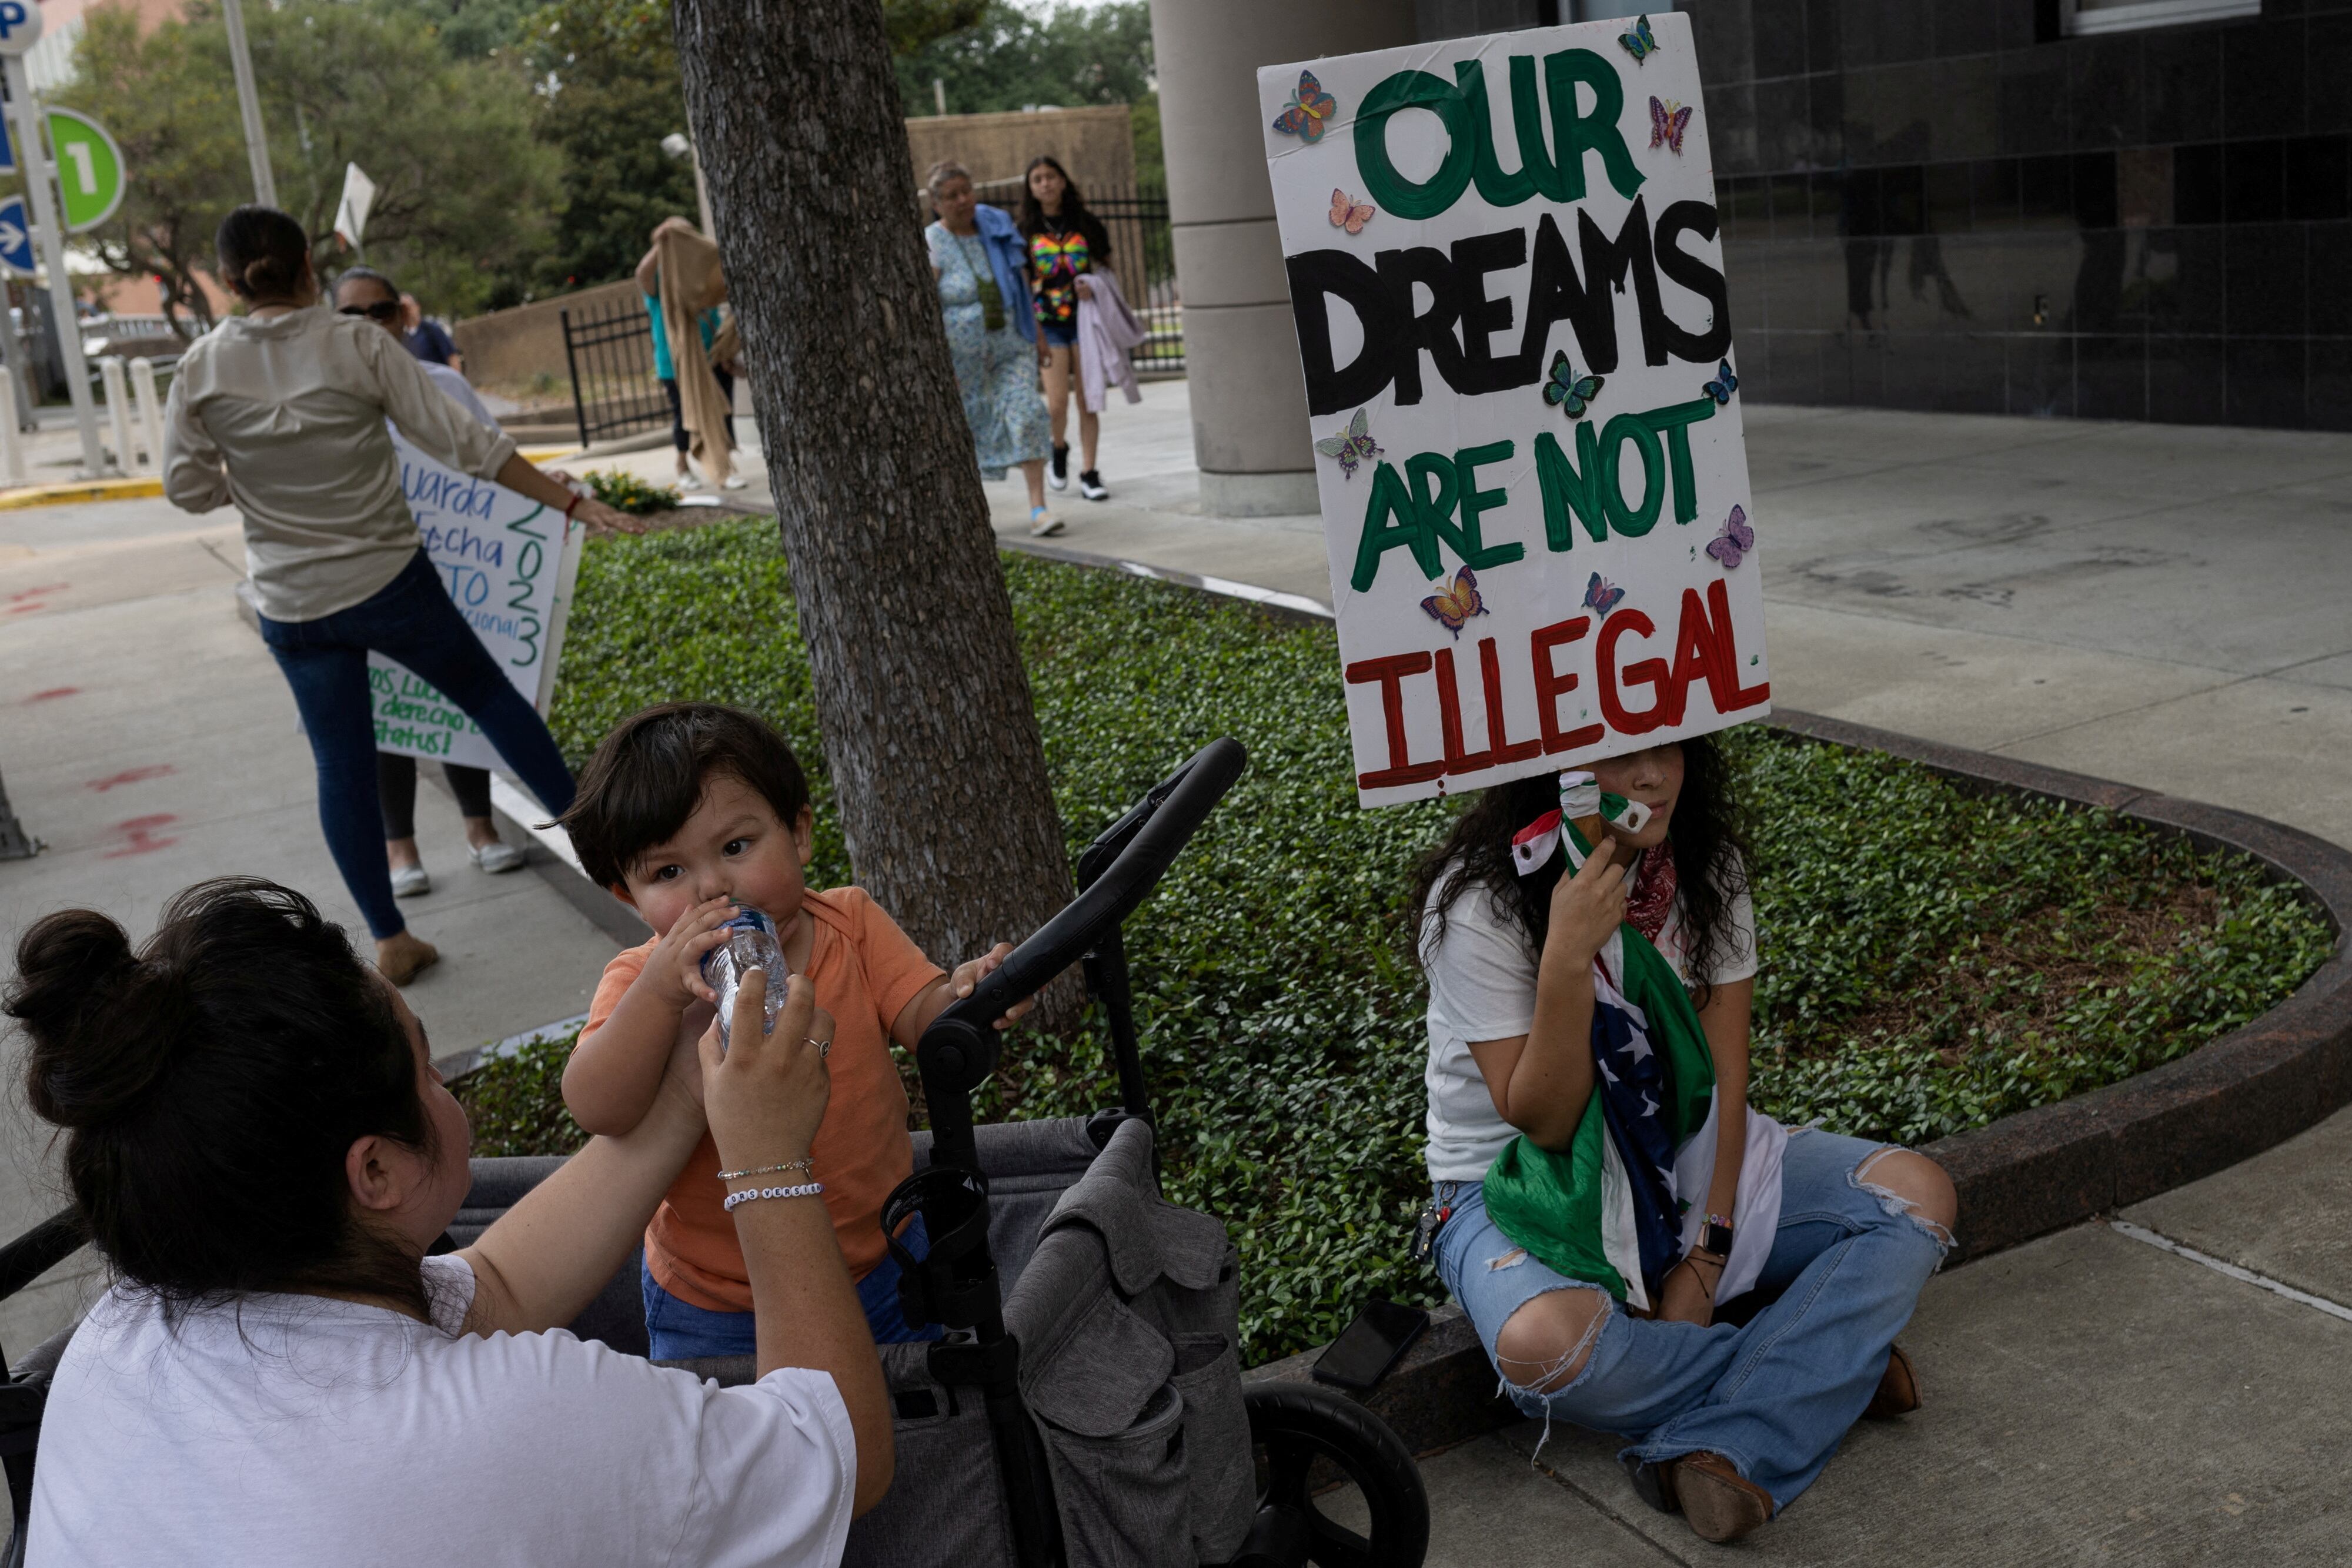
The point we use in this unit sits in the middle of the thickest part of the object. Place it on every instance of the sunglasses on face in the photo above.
(382, 310)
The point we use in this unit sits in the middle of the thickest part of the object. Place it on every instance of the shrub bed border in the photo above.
(2027, 1174)
(2022, 1176)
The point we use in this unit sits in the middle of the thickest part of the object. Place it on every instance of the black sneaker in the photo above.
(1090, 485)
(1058, 472)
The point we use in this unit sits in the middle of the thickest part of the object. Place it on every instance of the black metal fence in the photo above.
(609, 352)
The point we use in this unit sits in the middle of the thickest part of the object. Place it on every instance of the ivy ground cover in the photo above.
(1932, 959)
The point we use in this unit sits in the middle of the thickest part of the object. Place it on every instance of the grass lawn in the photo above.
(1931, 960)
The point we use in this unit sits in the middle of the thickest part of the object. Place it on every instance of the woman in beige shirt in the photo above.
(281, 410)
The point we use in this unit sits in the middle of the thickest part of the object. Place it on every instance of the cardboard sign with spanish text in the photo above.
(509, 564)
(1508, 288)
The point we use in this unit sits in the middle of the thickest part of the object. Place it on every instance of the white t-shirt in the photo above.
(293, 1431)
(1482, 986)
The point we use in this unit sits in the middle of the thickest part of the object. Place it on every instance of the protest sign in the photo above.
(509, 564)
(1509, 295)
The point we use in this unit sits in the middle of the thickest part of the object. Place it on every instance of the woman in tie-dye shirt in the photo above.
(1066, 243)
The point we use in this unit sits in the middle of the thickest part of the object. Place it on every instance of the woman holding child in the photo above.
(1602, 1191)
(282, 1375)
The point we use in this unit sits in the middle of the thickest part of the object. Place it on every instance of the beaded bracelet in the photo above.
(807, 1165)
(806, 1189)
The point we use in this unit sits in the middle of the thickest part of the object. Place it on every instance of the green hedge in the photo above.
(1932, 959)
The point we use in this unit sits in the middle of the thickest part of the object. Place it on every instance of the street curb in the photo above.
(131, 488)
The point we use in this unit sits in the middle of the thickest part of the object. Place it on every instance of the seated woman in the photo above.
(1528, 1031)
(260, 1145)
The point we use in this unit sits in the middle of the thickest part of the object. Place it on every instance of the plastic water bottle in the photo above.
(751, 944)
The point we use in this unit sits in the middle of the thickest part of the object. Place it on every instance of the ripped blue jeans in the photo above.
(1775, 1396)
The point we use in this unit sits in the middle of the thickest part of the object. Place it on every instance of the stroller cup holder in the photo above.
(954, 1285)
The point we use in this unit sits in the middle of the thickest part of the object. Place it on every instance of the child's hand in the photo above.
(676, 965)
(766, 1094)
(971, 971)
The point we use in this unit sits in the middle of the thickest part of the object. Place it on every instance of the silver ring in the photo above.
(823, 1047)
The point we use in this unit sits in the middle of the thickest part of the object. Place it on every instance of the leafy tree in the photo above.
(459, 181)
(468, 29)
(609, 89)
(931, 740)
(1010, 58)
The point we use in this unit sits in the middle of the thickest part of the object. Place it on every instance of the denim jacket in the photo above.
(1008, 257)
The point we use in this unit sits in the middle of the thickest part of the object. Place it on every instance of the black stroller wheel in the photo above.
(1293, 1425)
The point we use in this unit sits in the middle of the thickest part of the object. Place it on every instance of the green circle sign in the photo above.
(89, 169)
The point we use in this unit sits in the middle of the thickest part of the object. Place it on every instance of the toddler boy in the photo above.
(686, 811)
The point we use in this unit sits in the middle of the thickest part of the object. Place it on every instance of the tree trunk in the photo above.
(937, 764)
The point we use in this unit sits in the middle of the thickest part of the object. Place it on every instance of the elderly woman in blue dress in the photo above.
(979, 256)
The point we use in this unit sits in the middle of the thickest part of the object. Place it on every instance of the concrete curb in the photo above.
(2039, 1170)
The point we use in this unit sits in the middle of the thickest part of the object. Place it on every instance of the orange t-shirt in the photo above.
(865, 971)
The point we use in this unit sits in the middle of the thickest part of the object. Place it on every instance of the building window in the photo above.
(2084, 18)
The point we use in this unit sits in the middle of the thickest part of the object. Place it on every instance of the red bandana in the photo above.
(1653, 896)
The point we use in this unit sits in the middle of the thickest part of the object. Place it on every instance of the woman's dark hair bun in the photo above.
(262, 252)
(74, 969)
(210, 1085)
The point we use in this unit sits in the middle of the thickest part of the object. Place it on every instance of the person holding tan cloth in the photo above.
(682, 281)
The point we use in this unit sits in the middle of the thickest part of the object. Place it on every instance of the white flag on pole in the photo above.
(351, 214)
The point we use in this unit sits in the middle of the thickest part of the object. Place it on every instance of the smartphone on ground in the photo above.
(1367, 1348)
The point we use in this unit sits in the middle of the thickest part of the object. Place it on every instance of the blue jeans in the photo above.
(412, 620)
(680, 1331)
(1774, 1396)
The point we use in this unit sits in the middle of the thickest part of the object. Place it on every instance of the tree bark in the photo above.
(938, 767)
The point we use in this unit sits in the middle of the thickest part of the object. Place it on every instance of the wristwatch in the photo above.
(1715, 1235)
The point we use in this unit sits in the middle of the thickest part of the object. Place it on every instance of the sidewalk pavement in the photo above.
(2160, 605)
(148, 739)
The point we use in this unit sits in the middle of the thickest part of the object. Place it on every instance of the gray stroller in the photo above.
(1086, 1405)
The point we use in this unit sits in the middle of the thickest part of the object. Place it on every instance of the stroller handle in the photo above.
(1154, 833)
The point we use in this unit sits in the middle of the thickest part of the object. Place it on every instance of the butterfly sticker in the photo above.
(1352, 447)
(1310, 106)
(1565, 389)
(1601, 595)
(1350, 215)
(1457, 603)
(1668, 121)
(1723, 386)
(1641, 43)
(1731, 545)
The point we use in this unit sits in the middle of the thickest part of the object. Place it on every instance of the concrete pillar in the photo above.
(1241, 352)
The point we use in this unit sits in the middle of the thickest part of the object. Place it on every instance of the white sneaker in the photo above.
(410, 881)
(691, 482)
(494, 858)
(1043, 524)
(735, 481)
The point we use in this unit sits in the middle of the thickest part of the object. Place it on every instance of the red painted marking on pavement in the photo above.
(26, 599)
(141, 832)
(130, 776)
(52, 694)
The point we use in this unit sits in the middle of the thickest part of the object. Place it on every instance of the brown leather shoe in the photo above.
(1721, 1504)
(1898, 1388)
